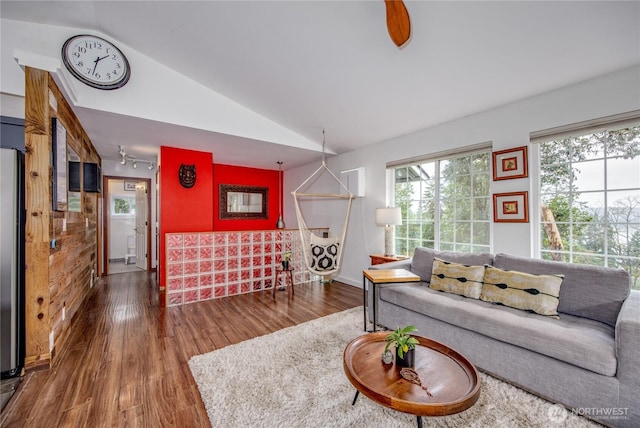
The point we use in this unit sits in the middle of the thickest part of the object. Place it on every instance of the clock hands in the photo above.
(98, 59)
(96, 62)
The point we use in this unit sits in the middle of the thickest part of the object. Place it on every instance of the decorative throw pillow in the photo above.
(520, 290)
(324, 253)
(456, 278)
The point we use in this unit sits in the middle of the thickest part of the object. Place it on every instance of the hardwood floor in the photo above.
(127, 361)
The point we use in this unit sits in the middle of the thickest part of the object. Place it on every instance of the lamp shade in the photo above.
(388, 216)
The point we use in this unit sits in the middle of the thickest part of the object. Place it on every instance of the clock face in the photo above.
(96, 62)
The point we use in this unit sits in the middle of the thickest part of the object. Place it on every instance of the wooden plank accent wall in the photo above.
(38, 207)
(58, 280)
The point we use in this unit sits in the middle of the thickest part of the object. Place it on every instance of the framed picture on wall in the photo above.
(59, 163)
(511, 163)
(130, 186)
(511, 207)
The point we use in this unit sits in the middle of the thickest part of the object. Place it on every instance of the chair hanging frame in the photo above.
(303, 228)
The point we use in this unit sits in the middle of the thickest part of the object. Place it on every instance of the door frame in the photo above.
(105, 215)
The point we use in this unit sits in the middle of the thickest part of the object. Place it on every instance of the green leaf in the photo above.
(408, 329)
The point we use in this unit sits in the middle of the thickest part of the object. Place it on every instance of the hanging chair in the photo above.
(322, 255)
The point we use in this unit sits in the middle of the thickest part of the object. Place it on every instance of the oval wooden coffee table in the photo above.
(449, 377)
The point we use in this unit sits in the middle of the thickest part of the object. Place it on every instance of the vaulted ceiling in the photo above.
(313, 65)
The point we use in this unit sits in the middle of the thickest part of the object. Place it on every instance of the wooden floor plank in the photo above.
(127, 361)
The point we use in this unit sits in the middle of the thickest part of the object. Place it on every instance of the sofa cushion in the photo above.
(591, 292)
(578, 341)
(526, 291)
(422, 261)
(457, 278)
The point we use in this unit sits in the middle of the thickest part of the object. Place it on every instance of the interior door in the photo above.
(141, 225)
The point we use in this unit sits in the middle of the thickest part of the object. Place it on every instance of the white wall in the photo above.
(191, 104)
(506, 127)
(116, 169)
(119, 228)
(12, 105)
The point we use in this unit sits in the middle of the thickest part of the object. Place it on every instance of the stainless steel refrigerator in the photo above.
(12, 268)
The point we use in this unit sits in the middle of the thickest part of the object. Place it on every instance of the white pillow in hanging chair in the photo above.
(325, 253)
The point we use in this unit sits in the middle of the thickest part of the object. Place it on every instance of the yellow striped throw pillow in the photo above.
(520, 290)
(457, 278)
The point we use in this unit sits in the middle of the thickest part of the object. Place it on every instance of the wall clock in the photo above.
(96, 62)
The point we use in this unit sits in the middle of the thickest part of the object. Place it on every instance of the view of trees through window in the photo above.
(590, 199)
(124, 205)
(445, 204)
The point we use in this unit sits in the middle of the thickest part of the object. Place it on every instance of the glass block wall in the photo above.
(208, 265)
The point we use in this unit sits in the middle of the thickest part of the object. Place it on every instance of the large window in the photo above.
(445, 204)
(590, 198)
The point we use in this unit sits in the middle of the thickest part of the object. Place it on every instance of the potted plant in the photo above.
(285, 260)
(405, 345)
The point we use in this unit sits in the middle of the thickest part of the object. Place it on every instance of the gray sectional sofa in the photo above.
(587, 360)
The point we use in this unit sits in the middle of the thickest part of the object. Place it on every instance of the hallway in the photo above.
(126, 363)
(122, 267)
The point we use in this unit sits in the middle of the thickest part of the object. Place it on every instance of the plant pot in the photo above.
(408, 360)
(285, 265)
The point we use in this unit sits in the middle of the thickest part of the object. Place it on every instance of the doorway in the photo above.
(127, 225)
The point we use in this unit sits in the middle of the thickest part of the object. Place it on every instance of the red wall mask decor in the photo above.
(187, 175)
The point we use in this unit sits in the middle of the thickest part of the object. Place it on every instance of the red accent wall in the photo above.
(182, 209)
(243, 176)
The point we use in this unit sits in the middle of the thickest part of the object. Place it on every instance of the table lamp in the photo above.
(389, 217)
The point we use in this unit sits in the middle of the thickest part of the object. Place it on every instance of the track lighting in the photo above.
(124, 157)
(149, 167)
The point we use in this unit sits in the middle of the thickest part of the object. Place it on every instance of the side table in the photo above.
(377, 259)
(285, 275)
(377, 277)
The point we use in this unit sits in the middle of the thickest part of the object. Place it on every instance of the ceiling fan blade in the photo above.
(398, 22)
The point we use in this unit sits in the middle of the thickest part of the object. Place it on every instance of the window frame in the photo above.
(437, 158)
(609, 123)
(132, 206)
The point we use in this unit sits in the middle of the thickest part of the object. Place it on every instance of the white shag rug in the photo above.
(295, 378)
